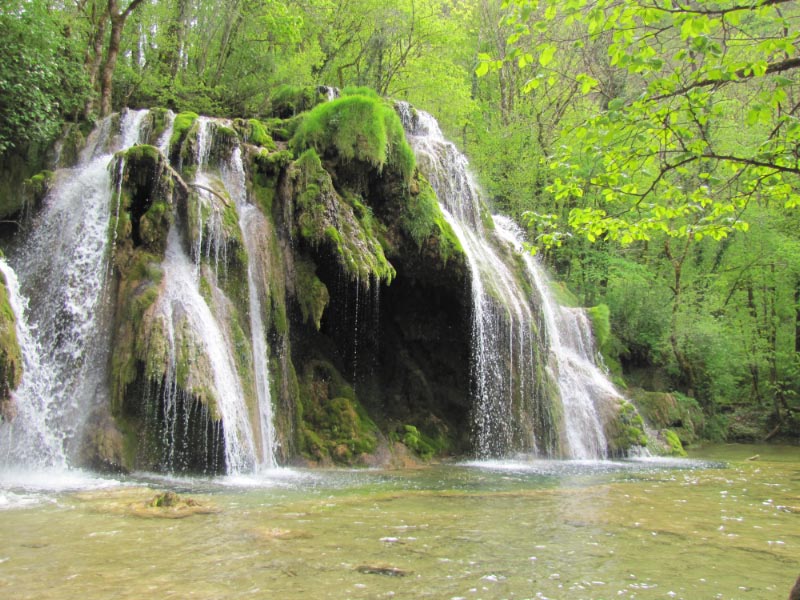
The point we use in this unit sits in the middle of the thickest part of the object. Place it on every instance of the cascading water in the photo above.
(62, 267)
(581, 383)
(29, 439)
(512, 327)
(188, 321)
(252, 224)
(511, 409)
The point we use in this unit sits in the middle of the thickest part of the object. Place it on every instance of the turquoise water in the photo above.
(690, 529)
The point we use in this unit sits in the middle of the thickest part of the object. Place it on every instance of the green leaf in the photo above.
(547, 51)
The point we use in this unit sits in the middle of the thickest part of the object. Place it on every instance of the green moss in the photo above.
(271, 163)
(323, 217)
(157, 121)
(289, 100)
(255, 132)
(354, 90)
(40, 183)
(138, 290)
(180, 128)
(674, 443)
(334, 425)
(10, 352)
(423, 220)
(627, 431)
(674, 411)
(360, 128)
(418, 442)
(283, 129)
(312, 295)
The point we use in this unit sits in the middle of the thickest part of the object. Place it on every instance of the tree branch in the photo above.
(741, 74)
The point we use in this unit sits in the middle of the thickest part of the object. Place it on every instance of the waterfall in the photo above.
(510, 408)
(163, 142)
(582, 385)
(252, 224)
(521, 340)
(29, 439)
(62, 268)
(188, 321)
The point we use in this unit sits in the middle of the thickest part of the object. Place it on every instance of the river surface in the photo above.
(715, 526)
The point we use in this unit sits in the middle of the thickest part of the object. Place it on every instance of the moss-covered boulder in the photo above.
(289, 100)
(673, 411)
(147, 192)
(626, 431)
(253, 131)
(181, 127)
(334, 425)
(360, 128)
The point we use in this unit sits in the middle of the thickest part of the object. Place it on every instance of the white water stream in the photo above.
(63, 266)
(189, 322)
(582, 385)
(253, 225)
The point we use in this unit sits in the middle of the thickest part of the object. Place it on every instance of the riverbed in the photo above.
(714, 526)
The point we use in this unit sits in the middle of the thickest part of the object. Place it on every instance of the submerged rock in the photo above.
(169, 505)
(386, 570)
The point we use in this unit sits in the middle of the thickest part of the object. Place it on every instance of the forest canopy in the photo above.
(652, 147)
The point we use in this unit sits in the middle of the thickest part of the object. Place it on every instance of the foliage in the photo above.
(656, 153)
(41, 74)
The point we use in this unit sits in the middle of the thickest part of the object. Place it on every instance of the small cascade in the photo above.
(582, 385)
(163, 142)
(511, 405)
(252, 224)
(188, 322)
(62, 267)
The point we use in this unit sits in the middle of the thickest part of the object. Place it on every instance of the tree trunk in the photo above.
(94, 56)
(117, 23)
(111, 64)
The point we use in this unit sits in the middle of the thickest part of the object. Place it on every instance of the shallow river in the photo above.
(717, 526)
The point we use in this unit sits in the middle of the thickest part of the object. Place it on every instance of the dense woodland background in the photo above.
(652, 147)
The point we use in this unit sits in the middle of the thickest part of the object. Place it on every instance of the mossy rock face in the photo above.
(10, 355)
(69, 146)
(149, 192)
(423, 221)
(181, 127)
(674, 443)
(311, 293)
(334, 426)
(34, 190)
(626, 431)
(674, 411)
(345, 228)
(360, 128)
(103, 445)
(255, 132)
(154, 125)
(423, 445)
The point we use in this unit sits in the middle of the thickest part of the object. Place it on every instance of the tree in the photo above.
(708, 120)
(117, 16)
(40, 74)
